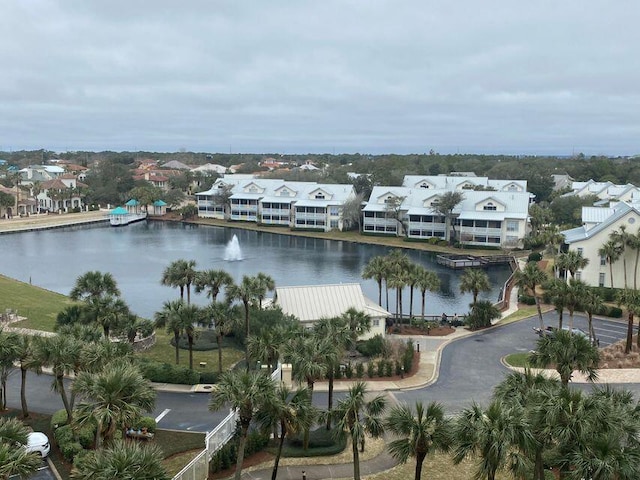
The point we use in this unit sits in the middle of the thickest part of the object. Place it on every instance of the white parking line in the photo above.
(162, 415)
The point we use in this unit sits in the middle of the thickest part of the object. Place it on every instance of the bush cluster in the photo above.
(72, 442)
(226, 457)
(527, 299)
(167, 373)
(374, 347)
(534, 257)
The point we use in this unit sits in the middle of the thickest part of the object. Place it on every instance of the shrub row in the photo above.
(527, 299)
(373, 347)
(167, 373)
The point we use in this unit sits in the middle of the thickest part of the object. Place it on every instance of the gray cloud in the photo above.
(299, 76)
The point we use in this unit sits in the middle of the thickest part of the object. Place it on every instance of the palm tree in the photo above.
(355, 417)
(292, 412)
(358, 323)
(107, 311)
(530, 277)
(527, 391)
(447, 202)
(413, 275)
(247, 292)
(62, 354)
(474, 281)
(93, 285)
(224, 318)
(398, 280)
(490, 436)
(611, 251)
(376, 269)
(248, 392)
(336, 329)
(427, 280)
(169, 317)
(9, 353)
(14, 459)
(621, 238)
(567, 352)
(212, 281)
(591, 303)
(422, 433)
(186, 319)
(268, 345)
(630, 299)
(575, 292)
(180, 274)
(571, 262)
(558, 289)
(121, 460)
(264, 284)
(114, 397)
(28, 358)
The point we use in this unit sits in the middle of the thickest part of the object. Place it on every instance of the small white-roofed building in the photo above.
(314, 302)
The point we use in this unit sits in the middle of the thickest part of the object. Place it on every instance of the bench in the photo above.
(140, 435)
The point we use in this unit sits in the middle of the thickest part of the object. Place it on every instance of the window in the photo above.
(490, 206)
(335, 211)
(601, 279)
(578, 275)
(376, 322)
(334, 224)
(320, 196)
(512, 226)
(603, 260)
(424, 185)
(284, 193)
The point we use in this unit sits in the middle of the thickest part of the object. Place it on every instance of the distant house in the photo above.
(210, 168)
(176, 165)
(312, 303)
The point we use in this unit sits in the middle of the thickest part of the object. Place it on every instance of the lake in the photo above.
(137, 254)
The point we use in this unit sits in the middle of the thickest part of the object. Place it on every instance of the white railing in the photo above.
(198, 468)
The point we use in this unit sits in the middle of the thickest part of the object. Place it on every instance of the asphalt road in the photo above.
(469, 370)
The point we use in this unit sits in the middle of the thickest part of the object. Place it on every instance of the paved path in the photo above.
(44, 221)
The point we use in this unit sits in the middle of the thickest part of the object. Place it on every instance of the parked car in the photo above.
(38, 442)
(550, 331)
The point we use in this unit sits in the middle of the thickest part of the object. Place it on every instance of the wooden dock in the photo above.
(456, 261)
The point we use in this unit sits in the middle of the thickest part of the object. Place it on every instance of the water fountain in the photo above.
(233, 253)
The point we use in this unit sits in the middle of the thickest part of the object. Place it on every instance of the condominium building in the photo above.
(298, 205)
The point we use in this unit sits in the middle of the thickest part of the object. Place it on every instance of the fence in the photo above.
(198, 468)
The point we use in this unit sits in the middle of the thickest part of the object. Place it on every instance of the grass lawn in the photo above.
(520, 359)
(163, 351)
(40, 306)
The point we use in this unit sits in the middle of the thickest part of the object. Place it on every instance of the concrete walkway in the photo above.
(382, 462)
(52, 220)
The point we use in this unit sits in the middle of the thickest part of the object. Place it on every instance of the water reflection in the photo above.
(137, 254)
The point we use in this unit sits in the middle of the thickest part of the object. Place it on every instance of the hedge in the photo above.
(167, 373)
(527, 299)
(226, 457)
(373, 347)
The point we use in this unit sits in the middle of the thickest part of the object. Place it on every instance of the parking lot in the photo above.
(43, 473)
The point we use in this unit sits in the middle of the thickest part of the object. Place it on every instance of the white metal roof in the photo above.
(313, 302)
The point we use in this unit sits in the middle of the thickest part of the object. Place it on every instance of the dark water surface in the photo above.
(137, 254)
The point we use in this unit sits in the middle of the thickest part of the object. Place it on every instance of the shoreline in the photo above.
(53, 221)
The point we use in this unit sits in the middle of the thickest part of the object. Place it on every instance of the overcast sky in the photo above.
(368, 76)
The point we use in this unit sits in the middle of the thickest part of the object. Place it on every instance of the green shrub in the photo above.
(348, 370)
(64, 435)
(373, 347)
(380, 368)
(337, 373)
(167, 373)
(70, 450)
(209, 377)
(614, 312)
(145, 422)
(359, 370)
(407, 356)
(534, 257)
(227, 455)
(527, 299)
(86, 435)
(388, 368)
(482, 313)
(370, 370)
(58, 419)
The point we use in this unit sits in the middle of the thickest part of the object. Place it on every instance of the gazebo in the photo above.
(133, 206)
(159, 207)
